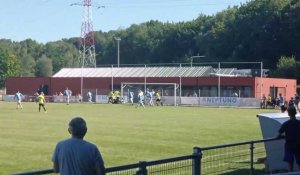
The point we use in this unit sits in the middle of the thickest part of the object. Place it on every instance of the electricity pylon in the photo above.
(87, 56)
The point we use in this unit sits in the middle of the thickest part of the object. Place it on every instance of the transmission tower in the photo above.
(87, 56)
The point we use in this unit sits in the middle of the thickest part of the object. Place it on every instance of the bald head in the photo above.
(77, 127)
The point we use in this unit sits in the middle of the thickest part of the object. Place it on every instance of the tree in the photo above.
(290, 27)
(9, 66)
(27, 66)
(287, 67)
(44, 67)
(62, 54)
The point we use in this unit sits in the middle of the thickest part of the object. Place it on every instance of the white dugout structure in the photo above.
(270, 124)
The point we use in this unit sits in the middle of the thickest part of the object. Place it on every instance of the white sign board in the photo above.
(219, 101)
(101, 98)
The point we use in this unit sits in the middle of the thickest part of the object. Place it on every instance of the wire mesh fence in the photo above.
(175, 166)
(235, 159)
(242, 158)
(123, 170)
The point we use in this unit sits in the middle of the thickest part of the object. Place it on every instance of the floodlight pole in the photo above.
(219, 79)
(118, 39)
(192, 58)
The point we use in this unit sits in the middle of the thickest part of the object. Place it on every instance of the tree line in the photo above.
(259, 30)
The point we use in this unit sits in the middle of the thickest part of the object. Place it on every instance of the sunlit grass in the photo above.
(123, 133)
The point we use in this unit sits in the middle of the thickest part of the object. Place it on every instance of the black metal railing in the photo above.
(236, 158)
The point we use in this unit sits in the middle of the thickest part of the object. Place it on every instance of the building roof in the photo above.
(166, 71)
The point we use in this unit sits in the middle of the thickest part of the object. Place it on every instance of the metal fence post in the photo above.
(142, 168)
(251, 158)
(197, 161)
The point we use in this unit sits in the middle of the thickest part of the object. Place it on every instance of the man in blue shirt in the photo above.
(281, 103)
(75, 156)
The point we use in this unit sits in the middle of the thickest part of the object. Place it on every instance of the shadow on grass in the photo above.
(243, 172)
(243, 168)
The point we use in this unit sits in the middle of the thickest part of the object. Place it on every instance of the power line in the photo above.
(168, 3)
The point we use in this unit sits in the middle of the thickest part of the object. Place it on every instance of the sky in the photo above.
(52, 20)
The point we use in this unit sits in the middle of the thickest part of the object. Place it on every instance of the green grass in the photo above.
(123, 133)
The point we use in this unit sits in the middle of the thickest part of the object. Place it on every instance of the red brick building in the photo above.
(189, 79)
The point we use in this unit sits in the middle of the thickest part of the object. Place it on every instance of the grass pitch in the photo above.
(123, 133)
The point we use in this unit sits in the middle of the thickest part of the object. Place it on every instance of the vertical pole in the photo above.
(180, 82)
(219, 79)
(251, 158)
(96, 95)
(261, 75)
(142, 168)
(81, 81)
(199, 98)
(127, 101)
(274, 91)
(122, 91)
(145, 80)
(112, 77)
(175, 104)
(118, 52)
(197, 161)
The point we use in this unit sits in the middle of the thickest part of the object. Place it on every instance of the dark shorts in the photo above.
(41, 104)
(291, 157)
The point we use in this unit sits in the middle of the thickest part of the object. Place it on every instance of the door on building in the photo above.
(275, 91)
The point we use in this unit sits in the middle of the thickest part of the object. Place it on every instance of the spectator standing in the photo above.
(296, 101)
(281, 103)
(263, 102)
(75, 156)
(19, 96)
(291, 102)
(269, 101)
(291, 130)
